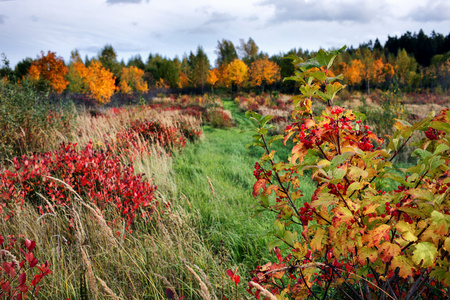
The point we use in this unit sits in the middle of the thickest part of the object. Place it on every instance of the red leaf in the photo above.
(261, 183)
(1, 239)
(30, 244)
(170, 294)
(22, 278)
(29, 257)
(6, 286)
(230, 273)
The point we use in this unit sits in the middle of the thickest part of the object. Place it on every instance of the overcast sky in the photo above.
(175, 27)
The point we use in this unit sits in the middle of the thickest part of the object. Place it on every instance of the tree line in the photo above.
(413, 62)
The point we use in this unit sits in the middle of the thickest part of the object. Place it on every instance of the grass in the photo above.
(207, 228)
(226, 216)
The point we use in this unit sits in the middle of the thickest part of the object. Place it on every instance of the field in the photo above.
(162, 199)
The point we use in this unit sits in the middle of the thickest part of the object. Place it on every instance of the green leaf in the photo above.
(441, 274)
(275, 138)
(440, 126)
(440, 148)
(339, 159)
(253, 144)
(274, 243)
(265, 120)
(290, 237)
(424, 254)
(422, 154)
(318, 75)
(279, 228)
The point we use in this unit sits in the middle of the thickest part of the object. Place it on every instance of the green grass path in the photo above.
(225, 218)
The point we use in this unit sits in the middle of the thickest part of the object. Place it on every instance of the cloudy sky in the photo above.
(175, 27)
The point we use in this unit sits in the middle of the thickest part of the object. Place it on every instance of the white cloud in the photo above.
(174, 27)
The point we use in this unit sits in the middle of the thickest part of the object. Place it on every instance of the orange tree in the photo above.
(49, 71)
(355, 238)
(98, 82)
(262, 72)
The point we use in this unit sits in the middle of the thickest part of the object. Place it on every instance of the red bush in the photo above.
(97, 176)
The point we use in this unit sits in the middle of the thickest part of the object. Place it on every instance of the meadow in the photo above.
(156, 200)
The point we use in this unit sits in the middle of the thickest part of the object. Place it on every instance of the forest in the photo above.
(413, 62)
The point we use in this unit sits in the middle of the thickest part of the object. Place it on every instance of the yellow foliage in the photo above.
(263, 71)
(237, 72)
(131, 80)
(354, 72)
(100, 82)
(213, 76)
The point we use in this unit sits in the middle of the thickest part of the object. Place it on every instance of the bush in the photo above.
(28, 120)
(352, 239)
(219, 118)
(96, 175)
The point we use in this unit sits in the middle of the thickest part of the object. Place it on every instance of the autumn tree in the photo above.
(236, 73)
(353, 73)
(262, 72)
(49, 71)
(99, 82)
(131, 79)
(406, 67)
(213, 77)
(226, 52)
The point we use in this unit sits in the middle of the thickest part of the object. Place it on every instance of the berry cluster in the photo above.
(432, 134)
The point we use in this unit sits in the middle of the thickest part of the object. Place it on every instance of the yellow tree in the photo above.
(131, 80)
(262, 72)
(237, 73)
(50, 70)
(99, 82)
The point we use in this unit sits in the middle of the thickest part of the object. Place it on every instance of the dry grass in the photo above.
(111, 262)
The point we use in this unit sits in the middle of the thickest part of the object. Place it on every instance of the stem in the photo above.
(345, 283)
(291, 202)
(399, 149)
(323, 153)
(418, 236)
(312, 293)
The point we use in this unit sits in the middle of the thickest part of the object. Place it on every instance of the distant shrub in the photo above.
(27, 119)
(219, 119)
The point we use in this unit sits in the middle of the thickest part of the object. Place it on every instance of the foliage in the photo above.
(99, 176)
(153, 132)
(29, 119)
(352, 239)
(98, 81)
(262, 72)
(237, 72)
(18, 280)
(226, 52)
(49, 70)
(219, 119)
(131, 80)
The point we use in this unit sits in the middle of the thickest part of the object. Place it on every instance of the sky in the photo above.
(176, 27)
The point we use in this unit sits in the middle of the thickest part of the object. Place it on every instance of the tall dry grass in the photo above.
(94, 259)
